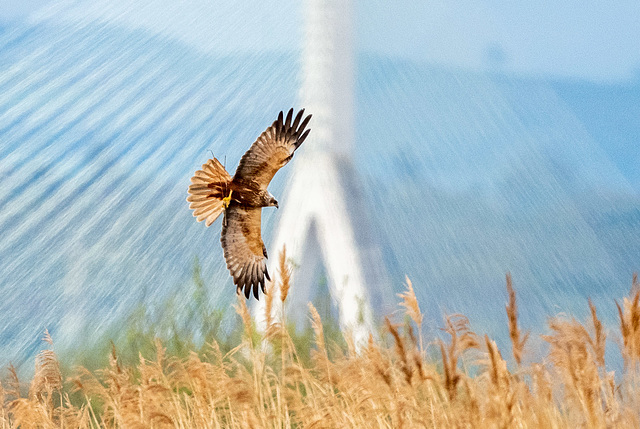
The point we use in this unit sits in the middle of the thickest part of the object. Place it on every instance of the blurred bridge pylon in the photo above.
(324, 223)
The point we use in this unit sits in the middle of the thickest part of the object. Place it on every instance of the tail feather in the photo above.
(208, 187)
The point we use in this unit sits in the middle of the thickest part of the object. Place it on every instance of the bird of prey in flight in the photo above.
(242, 197)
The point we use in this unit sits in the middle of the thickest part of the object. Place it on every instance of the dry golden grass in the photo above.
(518, 339)
(263, 382)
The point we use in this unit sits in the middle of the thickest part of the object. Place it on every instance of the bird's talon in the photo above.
(227, 200)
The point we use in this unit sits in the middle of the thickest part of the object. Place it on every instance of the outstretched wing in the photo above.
(273, 149)
(243, 248)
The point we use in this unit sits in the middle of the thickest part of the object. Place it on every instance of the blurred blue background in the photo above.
(490, 137)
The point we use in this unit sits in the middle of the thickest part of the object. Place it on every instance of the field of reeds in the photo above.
(396, 380)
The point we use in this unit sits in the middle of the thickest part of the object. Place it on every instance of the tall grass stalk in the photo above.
(393, 383)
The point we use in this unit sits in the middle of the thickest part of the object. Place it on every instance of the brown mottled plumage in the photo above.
(242, 197)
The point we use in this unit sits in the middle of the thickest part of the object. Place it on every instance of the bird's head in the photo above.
(271, 201)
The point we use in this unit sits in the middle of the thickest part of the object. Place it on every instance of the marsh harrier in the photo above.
(242, 197)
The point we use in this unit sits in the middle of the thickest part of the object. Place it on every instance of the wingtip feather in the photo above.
(296, 122)
(304, 124)
(280, 121)
(287, 123)
(302, 138)
(247, 291)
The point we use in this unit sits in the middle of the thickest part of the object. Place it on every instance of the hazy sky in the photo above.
(595, 40)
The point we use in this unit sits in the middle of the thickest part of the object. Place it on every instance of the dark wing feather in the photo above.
(243, 248)
(273, 149)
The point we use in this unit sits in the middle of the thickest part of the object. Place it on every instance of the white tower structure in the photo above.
(323, 222)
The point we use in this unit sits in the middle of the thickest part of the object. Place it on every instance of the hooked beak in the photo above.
(276, 204)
